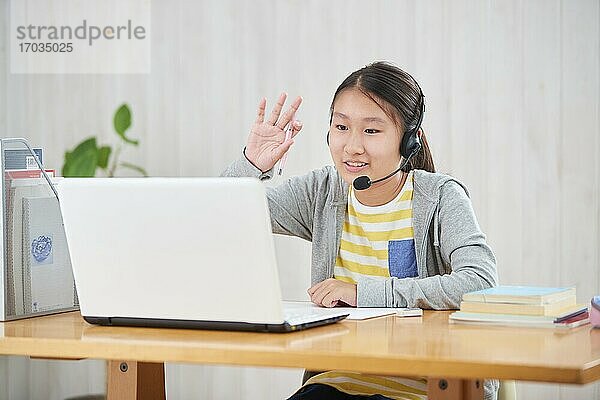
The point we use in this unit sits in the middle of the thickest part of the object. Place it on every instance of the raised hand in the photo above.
(266, 142)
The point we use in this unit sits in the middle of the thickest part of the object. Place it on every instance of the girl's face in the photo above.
(363, 140)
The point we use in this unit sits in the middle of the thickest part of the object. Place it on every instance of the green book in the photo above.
(521, 295)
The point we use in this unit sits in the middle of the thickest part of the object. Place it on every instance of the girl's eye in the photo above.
(371, 131)
(341, 127)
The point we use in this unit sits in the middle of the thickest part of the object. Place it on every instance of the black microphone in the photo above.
(364, 182)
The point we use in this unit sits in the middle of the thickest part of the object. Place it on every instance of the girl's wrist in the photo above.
(252, 162)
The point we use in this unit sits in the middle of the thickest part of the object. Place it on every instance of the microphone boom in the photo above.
(364, 182)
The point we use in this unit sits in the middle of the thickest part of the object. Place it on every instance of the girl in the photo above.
(386, 230)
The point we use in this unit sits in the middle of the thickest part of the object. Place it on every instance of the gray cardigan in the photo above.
(452, 255)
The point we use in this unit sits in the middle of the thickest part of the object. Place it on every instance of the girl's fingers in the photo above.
(330, 300)
(277, 109)
(283, 147)
(323, 290)
(314, 288)
(289, 114)
(260, 118)
(296, 127)
(317, 297)
(314, 292)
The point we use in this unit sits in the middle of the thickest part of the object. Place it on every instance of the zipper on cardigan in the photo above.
(423, 255)
(333, 228)
(436, 234)
(335, 205)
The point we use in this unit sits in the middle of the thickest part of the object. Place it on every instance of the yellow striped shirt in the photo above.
(377, 242)
(360, 384)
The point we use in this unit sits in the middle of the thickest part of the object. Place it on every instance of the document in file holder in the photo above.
(35, 265)
(48, 282)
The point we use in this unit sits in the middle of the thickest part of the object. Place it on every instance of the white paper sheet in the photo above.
(354, 313)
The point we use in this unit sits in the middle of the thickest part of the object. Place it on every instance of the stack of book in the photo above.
(526, 306)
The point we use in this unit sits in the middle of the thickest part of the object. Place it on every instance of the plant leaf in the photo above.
(103, 156)
(82, 161)
(135, 168)
(122, 122)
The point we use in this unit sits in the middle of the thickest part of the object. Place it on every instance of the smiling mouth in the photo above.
(355, 164)
(355, 167)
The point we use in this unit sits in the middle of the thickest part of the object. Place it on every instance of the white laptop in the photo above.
(177, 252)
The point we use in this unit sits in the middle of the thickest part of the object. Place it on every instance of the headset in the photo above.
(409, 147)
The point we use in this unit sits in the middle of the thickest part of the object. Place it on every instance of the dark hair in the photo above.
(398, 95)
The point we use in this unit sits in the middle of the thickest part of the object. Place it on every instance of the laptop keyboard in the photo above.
(298, 318)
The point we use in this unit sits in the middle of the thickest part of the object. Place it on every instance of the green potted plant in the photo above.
(87, 158)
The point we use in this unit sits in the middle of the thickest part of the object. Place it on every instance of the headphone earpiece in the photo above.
(411, 144)
(411, 141)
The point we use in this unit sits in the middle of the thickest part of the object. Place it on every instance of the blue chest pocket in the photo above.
(402, 260)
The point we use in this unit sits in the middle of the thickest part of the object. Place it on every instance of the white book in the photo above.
(534, 321)
(48, 279)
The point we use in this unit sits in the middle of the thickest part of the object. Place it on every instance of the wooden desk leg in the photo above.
(132, 380)
(454, 389)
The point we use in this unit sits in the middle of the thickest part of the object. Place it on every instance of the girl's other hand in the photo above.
(266, 142)
(331, 291)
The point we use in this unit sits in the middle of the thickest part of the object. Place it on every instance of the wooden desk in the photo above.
(426, 346)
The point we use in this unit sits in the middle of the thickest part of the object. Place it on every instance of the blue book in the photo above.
(22, 159)
(521, 294)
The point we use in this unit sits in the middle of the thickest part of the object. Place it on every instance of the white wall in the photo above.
(513, 98)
